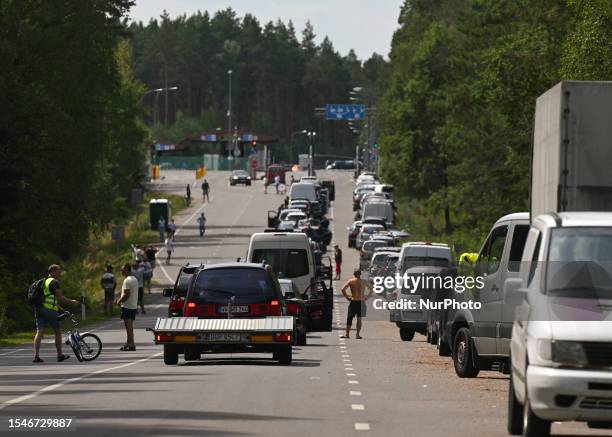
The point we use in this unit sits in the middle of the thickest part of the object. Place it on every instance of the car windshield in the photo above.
(580, 262)
(380, 260)
(369, 246)
(370, 229)
(286, 263)
(248, 285)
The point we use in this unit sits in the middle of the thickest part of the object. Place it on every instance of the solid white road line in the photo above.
(355, 393)
(352, 381)
(359, 407)
(52, 387)
(351, 374)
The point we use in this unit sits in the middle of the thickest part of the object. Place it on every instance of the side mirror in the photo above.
(167, 292)
(238, 259)
(290, 295)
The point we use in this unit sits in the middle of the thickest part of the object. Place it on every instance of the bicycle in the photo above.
(86, 347)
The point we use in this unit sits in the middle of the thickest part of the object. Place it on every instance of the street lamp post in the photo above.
(156, 91)
(299, 132)
(229, 112)
(311, 136)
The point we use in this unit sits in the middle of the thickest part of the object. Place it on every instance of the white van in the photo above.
(378, 208)
(303, 190)
(289, 254)
(561, 348)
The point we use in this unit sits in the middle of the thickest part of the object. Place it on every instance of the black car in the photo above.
(240, 177)
(236, 290)
(179, 291)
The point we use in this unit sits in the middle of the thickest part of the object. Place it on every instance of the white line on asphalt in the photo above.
(346, 356)
(11, 352)
(351, 381)
(355, 393)
(349, 368)
(347, 361)
(52, 387)
(357, 407)
(362, 426)
(351, 374)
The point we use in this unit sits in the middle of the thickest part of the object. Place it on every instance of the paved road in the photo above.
(375, 386)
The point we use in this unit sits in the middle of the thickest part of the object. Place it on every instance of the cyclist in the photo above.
(47, 313)
(202, 224)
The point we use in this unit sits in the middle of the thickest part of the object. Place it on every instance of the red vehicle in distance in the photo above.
(275, 170)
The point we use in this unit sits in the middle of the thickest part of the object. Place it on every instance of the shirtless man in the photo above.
(356, 299)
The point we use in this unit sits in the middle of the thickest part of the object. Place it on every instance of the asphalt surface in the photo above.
(375, 386)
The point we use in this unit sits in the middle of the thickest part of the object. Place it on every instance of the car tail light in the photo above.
(260, 309)
(284, 337)
(275, 308)
(293, 308)
(163, 337)
(192, 309)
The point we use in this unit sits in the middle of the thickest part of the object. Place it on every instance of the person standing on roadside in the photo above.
(129, 305)
(109, 285)
(169, 244)
(356, 300)
(276, 182)
(265, 184)
(338, 260)
(161, 224)
(147, 274)
(188, 194)
(47, 313)
(205, 191)
(150, 254)
(138, 273)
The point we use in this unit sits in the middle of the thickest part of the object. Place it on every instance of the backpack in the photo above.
(36, 295)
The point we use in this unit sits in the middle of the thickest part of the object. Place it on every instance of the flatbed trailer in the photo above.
(193, 336)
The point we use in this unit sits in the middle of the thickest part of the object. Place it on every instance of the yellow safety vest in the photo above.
(50, 301)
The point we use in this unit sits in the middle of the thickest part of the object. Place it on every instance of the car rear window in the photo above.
(371, 244)
(416, 261)
(286, 263)
(248, 285)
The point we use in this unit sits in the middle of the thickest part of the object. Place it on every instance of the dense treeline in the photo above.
(277, 79)
(457, 119)
(71, 145)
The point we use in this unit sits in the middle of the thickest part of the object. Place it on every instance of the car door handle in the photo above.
(494, 289)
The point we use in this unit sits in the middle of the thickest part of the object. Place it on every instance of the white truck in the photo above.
(561, 347)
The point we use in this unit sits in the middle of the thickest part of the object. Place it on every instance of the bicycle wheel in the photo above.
(75, 348)
(91, 346)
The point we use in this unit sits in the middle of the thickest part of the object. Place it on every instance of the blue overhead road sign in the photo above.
(344, 112)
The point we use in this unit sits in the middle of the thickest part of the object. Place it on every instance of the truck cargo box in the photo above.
(572, 150)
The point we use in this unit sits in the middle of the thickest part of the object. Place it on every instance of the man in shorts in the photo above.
(47, 313)
(356, 300)
(109, 285)
(129, 305)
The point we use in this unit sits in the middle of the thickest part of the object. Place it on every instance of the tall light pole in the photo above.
(229, 113)
(311, 136)
(156, 91)
(299, 132)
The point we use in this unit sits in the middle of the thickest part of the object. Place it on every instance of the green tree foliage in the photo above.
(70, 140)
(278, 79)
(457, 115)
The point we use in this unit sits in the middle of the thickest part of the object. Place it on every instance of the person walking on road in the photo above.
(188, 195)
(161, 224)
(265, 184)
(129, 305)
(338, 261)
(276, 182)
(205, 191)
(172, 229)
(147, 275)
(356, 300)
(202, 224)
(47, 313)
(169, 244)
(150, 254)
(138, 273)
(109, 285)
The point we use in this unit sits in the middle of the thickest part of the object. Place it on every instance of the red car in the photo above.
(275, 170)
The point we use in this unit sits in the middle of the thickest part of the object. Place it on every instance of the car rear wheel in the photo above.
(444, 349)
(462, 355)
(533, 426)
(406, 334)
(283, 355)
(515, 412)
(171, 355)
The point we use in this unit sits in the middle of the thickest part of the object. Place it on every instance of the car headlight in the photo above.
(249, 177)
(234, 177)
(569, 353)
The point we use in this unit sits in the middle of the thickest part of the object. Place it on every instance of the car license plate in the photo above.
(235, 309)
(222, 337)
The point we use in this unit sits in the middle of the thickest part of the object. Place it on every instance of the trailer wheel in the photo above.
(171, 355)
(192, 353)
(283, 355)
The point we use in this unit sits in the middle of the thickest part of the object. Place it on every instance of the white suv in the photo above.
(561, 347)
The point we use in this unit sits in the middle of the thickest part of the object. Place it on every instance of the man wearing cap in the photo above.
(47, 313)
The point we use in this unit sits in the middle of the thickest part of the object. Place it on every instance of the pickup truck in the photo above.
(229, 308)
